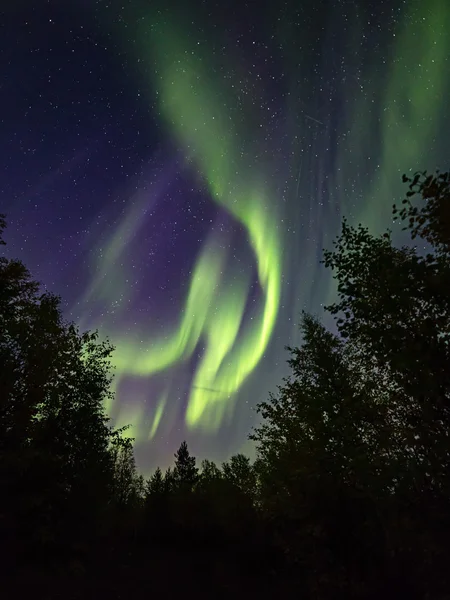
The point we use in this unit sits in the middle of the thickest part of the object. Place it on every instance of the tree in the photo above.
(185, 472)
(430, 221)
(157, 505)
(240, 472)
(209, 471)
(127, 482)
(169, 481)
(30, 330)
(55, 438)
(155, 484)
(324, 450)
(395, 304)
(354, 451)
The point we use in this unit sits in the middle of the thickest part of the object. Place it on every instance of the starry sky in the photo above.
(174, 169)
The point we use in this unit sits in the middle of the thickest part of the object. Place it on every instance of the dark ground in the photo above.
(167, 573)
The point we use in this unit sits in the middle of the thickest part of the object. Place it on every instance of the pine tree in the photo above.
(185, 471)
(155, 484)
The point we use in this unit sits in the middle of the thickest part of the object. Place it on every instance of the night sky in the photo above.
(174, 169)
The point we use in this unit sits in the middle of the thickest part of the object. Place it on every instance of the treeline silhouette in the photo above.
(349, 496)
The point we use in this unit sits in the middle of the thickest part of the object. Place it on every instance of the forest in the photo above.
(349, 494)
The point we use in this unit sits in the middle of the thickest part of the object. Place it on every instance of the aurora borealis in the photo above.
(174, 170)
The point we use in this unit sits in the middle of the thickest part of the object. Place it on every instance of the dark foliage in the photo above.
(354, 451)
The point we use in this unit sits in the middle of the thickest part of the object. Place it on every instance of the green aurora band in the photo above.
(215, 304)
(402, 100)
(408, 113)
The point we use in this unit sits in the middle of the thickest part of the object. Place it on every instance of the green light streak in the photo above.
(215, 305)
(188, 102)
(410, 97)
(158, 416)
(133, 357)
(107, 260)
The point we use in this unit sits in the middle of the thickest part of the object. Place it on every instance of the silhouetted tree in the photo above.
(169, 481)
(240, 472)
(127, 482)
(394, 304)
(185, 472)
(55, 438)
(354, 451)
(157, 493)
(155, 484)
(431, 220)
(324, 449)
(209, 471)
